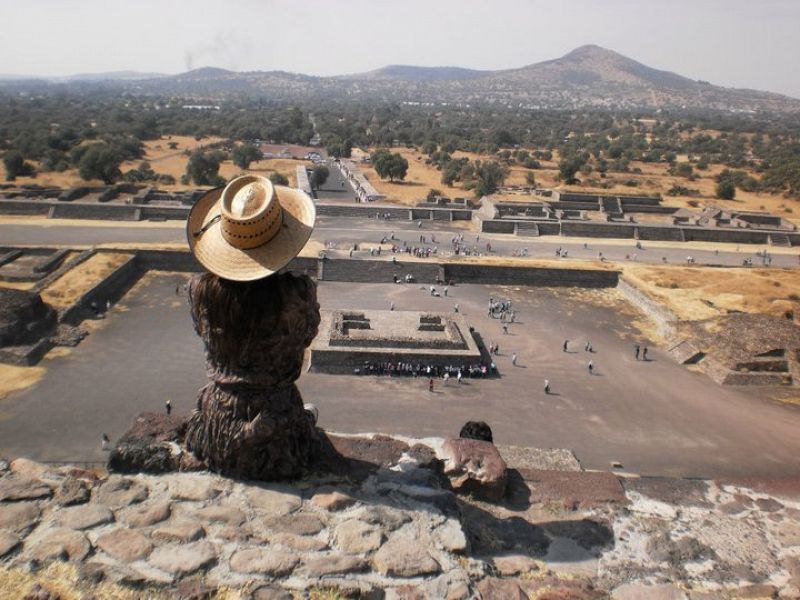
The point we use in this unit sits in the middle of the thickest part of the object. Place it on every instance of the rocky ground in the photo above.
(423, 519)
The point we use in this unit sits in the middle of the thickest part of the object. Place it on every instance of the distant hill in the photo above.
(589, 76)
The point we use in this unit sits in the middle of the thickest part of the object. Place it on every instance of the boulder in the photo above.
(474, 467)
(150, 446)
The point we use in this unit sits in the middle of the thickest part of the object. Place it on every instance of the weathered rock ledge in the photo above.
(396, 530)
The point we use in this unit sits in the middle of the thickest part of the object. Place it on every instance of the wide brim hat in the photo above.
(249, 229)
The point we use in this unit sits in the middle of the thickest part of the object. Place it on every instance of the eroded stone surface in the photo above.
(145, 515)
(181, 531)
(332, 501)
(301, 543)
(126, 545)
(85, 516)
(217, 514)
(298, 524)
(274, 500)
(58, 544)
(183, 559)
(266, 561)
(19, 516)
(118, 492)
(199, 486)
(450, 536)
(493, 588)
(514, 564)
(332, 565)
(72, 491)
(8, 542)
(356, 537)
(15, 486)
(404, 556)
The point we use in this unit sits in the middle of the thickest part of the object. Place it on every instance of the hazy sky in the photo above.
(738, 43)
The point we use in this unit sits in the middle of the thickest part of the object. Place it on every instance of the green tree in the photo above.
(203, 168)
(16, 166)
(100, 161)
(530, 178)
(568, 167)
(244, 154)
(278, 178)
(726, 190)
(391, 165)
(490, 176)
(319, 175)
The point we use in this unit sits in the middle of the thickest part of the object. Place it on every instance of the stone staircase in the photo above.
(527, 228)
(780, 239)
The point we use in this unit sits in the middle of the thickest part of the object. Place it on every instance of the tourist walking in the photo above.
(514, 359)
(458, 376)
(446, 378)
(636, 351)
(455, 308)
(644, 353)
(566, 345)
(168, 407)
(505, 328)
(590, 366)
(588, 346)
(430, 384)
(391, 305)
(546, 386)
(104, 442)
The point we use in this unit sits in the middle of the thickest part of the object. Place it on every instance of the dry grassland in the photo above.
(64, 582)
(695, 293)
(166, 161)
(76, 282)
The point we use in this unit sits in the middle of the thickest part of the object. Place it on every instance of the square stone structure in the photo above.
(348, 339)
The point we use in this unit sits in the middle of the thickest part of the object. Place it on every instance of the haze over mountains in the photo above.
(589, 76)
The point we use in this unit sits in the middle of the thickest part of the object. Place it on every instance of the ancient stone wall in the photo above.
(664, 318)
(543, 277)
(111, 288)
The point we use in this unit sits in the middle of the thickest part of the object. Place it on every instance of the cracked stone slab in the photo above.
(219, 514)
(300, 543)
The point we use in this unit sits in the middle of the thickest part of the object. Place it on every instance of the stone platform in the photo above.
(350, 339)
(395, 530)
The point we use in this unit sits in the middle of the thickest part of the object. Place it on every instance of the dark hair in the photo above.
(476, 430)
(230, 313)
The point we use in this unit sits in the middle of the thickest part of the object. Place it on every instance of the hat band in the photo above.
(254, 233)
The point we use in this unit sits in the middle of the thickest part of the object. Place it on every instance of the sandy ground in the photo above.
(75, 282)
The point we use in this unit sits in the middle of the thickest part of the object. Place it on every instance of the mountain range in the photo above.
(589, 76)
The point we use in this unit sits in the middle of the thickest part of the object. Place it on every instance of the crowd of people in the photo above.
(416, 369)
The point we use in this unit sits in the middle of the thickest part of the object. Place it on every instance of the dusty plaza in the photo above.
(651, 417)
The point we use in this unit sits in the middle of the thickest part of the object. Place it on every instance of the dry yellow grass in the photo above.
(167, 161)
(76, 282)
(64, 581)
(13, 379)
(695, 293)
(17, 285)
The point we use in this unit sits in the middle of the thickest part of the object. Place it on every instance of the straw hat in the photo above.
(249, 229)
